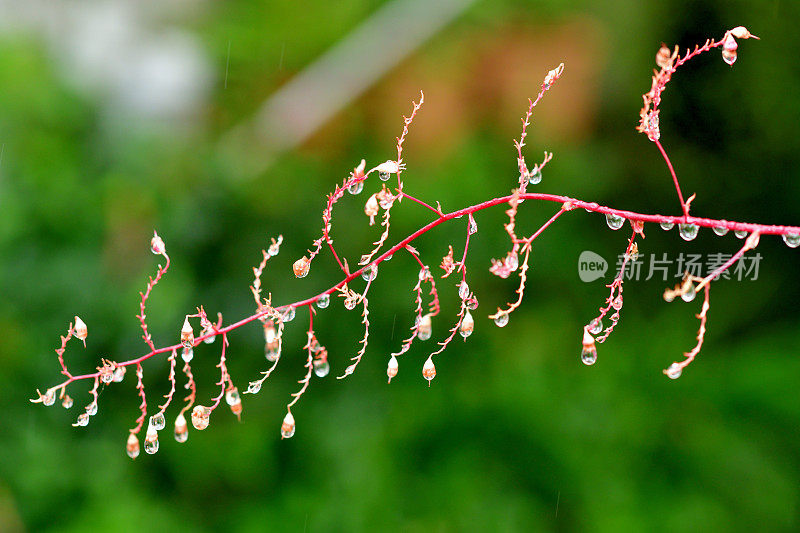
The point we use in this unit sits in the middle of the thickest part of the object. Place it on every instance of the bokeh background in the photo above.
(221, 124)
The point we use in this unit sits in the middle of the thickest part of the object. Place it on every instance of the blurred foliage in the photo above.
(515, 434)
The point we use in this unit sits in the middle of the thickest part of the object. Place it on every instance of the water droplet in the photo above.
(151, 442)
(288, 426)
(424, 273)
(473, 226)
(187, 334)
(501, 320)
(49, 398)
(689, 294)
(356, 187)
(106, 376)
(187, 354)
(350, 303)
(91, 409)
(688, 231)
(83, 420)
(472, 304)
(720, 230)
(467, 325)
(589, 356)
(321, 368)
(666, 226)
(157, 421)
(157, 245)
(181, 428)
(200, 417)
(535, 176)
(210, 339)
(132, 446)
(119, 374)
(370, 272)
(674, 371)
(288, 314)
(384, 176)
(729, 56)
(323, 301)
(301, 267)
(463, 290)
(429, 370)
(596, 326)
(512, 261)
(391, 368)
(614, 221)
(232, 396)
(66, 403)
(616, 303)
(740, 234)
(792, 240)
(425, 328)
(254, 387)
(273, 249)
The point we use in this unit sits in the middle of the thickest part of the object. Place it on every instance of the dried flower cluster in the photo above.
(515, 260)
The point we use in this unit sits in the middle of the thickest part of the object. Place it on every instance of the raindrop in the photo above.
(254, 387)
(83, 420)
(356, 188)
(596, 326)
(501, 319)
(132, 446)
(666, 226)
(614, 221)
(232, 396)
(181, 428)
(429, 370)
(157, 421)
(151, 442)
(200, 417)
(287, 427)
(535, 176)
(720, 230)
(321, 368)
(689, 294)
(463, 290)
(391, 368)
(688, 231)
(424, 328)
(91, 409)
(323, 301)
(119, 374)
(674, 371)
(66, 403)
(288, 314)
(792, 240)
(187, 354)
(589, 356)
(384, 176)
(467, 325)
(370, 272)
(49, 398)
(740, 234)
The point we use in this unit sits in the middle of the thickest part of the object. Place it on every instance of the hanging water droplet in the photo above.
(321, 368)
(49, 398)
(467, 325)
(688, 231)
(91, 409)
(132, 446)
(301, 267)
(350, 303)
(512, 261)
(119, 374)
(187, 355)
(187, 334)
(729, 56)
(273, 249)
(106, 376)
(792, 240)
(384, 176)
(370, 272)
(287, 426)
(614, 221)
(391, 368)
(463, 290)
(740, 234)
(472, 304)
(200, 417)
(272, 351)
(666, 226)
(424, 273)
(151, 442)
(589, 355)
(83, 420)
(288, 314)
(535, 176)
(181, 428)
(473, 226)
(596, 326)
(232, 396)
(66, 403)
(616, 303)
(157, 244)
(211, 338)
(501, 319)
(674, 371)
(720, 230)
(424, 328)
(323, 301)
(254, 387)
(157, 421)
(429, 370)
(689, 294)
(356, 188)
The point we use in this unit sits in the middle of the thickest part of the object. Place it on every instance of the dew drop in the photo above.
(429, 370)
(83, 420)
(674, 371)
(119, 374)
(425, 328)
(273, 249)
(720, 230)
(596, 326)
(287, 426)
(666, 226)
(288, 314)
(200, 417)
(512, 261)
(301, 267)
(473, 226)
(384, 176)
(729, 56)
(740, 234)
(391, 368)
(323, 301)
(356, 187)
(272, 351)
(472, 304)
(689, 294)
(132, 446)
(151, 442)
(254, 387)
(467, 325)
(181, 428)
(688, 231)
(463, 290)
(91, 409)
(614, 221)
(321, 368)
(107, 376)
(501, 320)
(792, 240)
(350, 303)
(187, 354)
(157, 421)
(232, 396)
(535, 176)
(66, 403)
(589, 356)
(424, 273)
(370, 272)
(616, 303)
(49, 398)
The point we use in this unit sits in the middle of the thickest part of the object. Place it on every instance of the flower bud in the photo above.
(157, 245)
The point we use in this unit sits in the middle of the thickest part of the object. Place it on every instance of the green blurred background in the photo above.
(116, 118)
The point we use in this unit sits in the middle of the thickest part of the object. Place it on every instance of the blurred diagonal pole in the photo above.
(339, 76)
